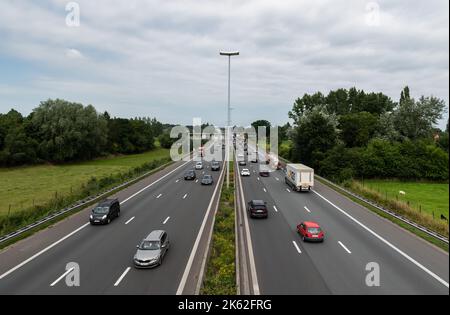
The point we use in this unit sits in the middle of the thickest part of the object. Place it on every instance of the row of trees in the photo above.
(351, 133)
(59, 131)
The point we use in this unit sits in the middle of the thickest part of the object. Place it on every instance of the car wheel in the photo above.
(109, 221)
(160, 261)
(118, 214)
(303, 239)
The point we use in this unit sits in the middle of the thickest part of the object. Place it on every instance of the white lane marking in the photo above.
(288, 190)
(177, 181)
(62, 277)
(197, 240)
(309, 211)
(166, 220)
(155, 182)
(121, 277)
(159, 196)
(196, 180)
(412, 260)
(275, 208)
(43, 251)
(185, 196)
(277, 178)
(82, 227)
(344, 247)
(258, 178)
(126, 223)
(296, 247)
(265, 190)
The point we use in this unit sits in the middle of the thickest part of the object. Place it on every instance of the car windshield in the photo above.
(245, 170)
(314, 230)
(207, 177)
(101, 210)
(149, 245)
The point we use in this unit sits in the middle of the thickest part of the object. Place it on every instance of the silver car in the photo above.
(150, 253)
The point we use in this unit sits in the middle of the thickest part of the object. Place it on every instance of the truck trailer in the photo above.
(299, 177)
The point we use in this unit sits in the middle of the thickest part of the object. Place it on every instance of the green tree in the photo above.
(357, 129)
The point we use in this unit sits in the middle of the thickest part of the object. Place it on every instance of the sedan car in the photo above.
(207, 180)
(245, 172)
(105, 212)
(199, 166)
(258, 209)
(150, 253)
(311, 232)
(190, 175)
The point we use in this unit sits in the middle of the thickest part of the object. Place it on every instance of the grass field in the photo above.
(21, 187)
(427, 196)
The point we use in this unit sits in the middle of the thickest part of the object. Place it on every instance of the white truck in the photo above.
(299, 177)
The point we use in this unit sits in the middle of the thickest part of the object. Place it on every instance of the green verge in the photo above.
(444, 246)
(94, 186)
(220, 277)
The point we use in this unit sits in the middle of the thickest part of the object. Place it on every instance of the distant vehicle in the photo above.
(299, 177)
(199, 166)
(190, 175)
(264, 171)
(201, 150)
(215, 166)
(245, 172)
(207, 180)
(254, 160)
(105, 212)
(242, 163)
(258, 209)
(310, 232)
(150, 253)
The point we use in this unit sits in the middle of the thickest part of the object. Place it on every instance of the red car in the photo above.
(311, 231)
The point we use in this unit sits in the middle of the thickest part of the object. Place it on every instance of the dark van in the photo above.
(105, 212)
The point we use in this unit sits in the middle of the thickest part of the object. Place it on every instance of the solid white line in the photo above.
(82, 227)
(62, 277)
(159, 196)
(126, 223)
(155, 182)
(121, 277)
(344, 247)
(197, 240)
(296, 247)
(275, 208)
(166, 220)
(306, 208)
(288, 190)
(43, 251)
(412, 260)
(184, 197)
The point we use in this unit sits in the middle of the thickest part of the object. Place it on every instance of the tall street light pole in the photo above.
(229, 54)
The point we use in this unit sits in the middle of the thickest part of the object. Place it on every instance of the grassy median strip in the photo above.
(220, 277)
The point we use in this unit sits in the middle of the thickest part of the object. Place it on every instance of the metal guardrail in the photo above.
(77, 205)
(383, 209)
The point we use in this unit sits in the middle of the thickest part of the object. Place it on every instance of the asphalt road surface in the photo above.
(355, 237)
(104, 253)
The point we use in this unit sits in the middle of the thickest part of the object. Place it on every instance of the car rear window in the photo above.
(314, 230)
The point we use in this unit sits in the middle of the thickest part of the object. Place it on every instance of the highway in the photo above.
(165, 201)
(354, 237)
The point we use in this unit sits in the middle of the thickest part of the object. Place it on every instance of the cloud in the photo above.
(160, 58)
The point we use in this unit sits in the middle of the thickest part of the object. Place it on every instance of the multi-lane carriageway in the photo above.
(355, 237)
(281, 263)
(104, 254)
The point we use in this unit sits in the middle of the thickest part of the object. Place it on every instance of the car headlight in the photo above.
(91, 217)
(104, 217)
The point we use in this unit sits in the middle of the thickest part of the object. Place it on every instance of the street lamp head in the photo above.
(229, 53)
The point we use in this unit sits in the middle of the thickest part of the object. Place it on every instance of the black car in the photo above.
(255, 160)
(215, 166)
(105, 212)
(207, 180)
(258, 209)
(190, 175)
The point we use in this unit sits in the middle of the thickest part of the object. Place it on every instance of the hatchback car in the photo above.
(263, 172)
(207, 180)
(245, 172)
(311, 232)
(152, 250)
(258, 209)
(105, 212)
(190, 175)
(199, 166)
(215, 166)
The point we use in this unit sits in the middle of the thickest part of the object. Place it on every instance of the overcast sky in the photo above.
(160, 58)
